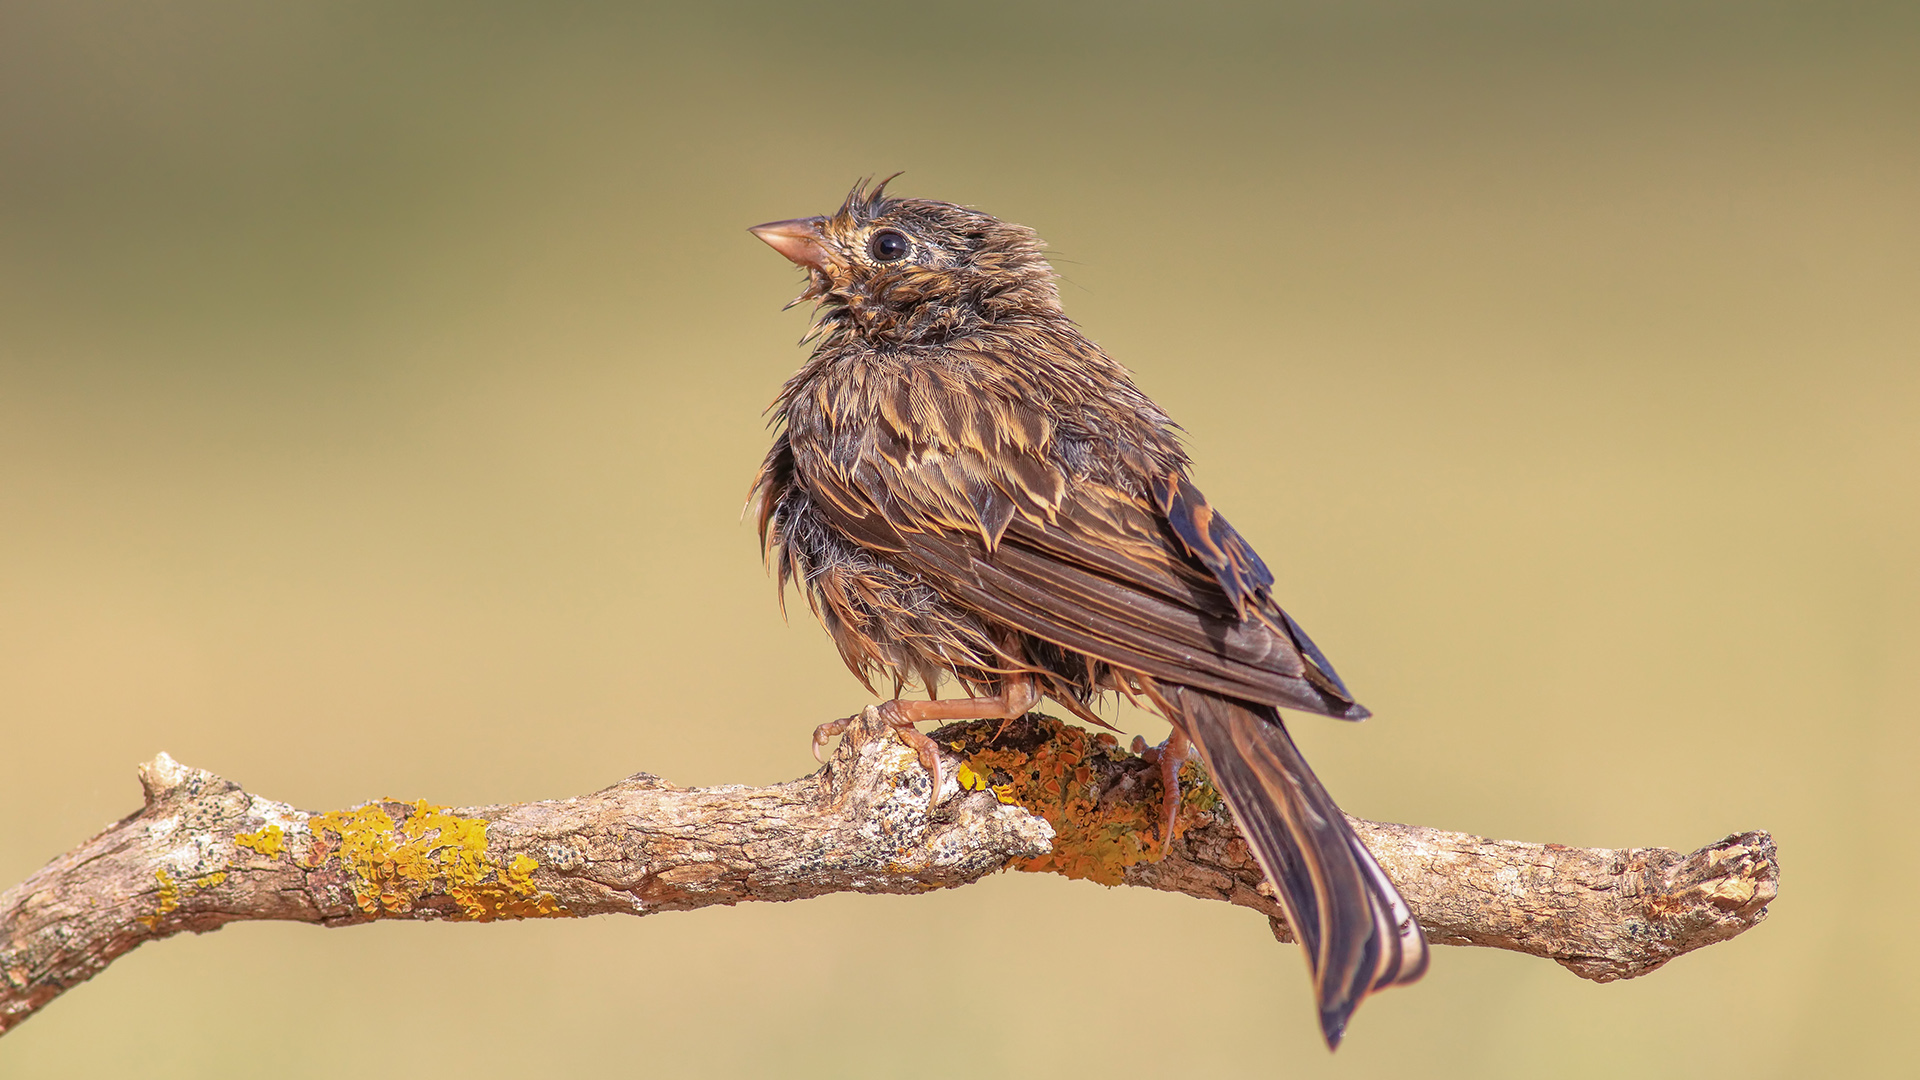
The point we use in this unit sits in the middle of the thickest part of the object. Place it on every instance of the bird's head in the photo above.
(914, 271)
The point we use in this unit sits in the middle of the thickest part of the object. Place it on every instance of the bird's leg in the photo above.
(1169, 756)
(1017, 695)
(1173, 754)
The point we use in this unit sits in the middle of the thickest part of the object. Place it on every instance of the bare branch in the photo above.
(1038, 796)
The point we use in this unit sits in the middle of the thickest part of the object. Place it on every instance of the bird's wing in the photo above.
(1157, 584)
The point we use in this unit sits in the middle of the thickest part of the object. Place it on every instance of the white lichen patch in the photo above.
(186, 859)
(269, 812)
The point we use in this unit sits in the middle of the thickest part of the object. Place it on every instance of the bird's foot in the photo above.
(827, 731)
(1169, 756)
(924, 748)
(900, 721)
(1016, 696)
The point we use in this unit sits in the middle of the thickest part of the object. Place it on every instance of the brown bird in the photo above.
(967, 487)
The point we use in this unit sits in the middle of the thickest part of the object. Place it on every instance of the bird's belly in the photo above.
(886, 622)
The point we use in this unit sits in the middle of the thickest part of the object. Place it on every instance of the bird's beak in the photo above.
(797, 239)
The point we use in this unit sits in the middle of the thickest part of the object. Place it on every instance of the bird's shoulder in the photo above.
(1028, 426)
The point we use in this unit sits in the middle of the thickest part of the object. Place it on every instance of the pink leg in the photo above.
(1017, 695)
(1173, 754)
(1169, 756)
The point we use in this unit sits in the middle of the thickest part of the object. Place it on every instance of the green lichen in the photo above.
(268, 841)
(393, 866)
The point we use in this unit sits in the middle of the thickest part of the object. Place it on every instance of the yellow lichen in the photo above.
(170, 892)
(267, 841)
(169, 900)
(394, 865)
(1062, 779)
(969, 780)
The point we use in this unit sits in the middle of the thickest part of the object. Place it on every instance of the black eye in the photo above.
(888, 246)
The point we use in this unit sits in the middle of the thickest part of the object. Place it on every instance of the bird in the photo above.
(967, 488)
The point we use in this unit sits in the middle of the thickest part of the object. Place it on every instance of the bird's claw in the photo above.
(827, 731)
(1167, 758)
(922, 747)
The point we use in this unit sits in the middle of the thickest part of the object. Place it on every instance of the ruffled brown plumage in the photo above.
(964, 485)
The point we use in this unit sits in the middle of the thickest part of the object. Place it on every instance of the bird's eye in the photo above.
(888, 246)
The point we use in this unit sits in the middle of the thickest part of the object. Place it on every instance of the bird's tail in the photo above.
(1358, 933)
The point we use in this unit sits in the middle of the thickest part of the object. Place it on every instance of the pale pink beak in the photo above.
(798, 239)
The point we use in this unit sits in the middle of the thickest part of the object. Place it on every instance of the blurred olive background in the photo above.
(380, 385)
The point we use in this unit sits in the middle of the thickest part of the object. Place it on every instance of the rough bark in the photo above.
(1032, 794)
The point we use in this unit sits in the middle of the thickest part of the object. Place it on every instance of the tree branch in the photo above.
(1032, 794)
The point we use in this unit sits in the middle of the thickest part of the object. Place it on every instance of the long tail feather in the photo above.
(1358, 933)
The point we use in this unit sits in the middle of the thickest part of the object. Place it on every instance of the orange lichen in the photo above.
(393, 866)
(1064, 778)
(268, 841)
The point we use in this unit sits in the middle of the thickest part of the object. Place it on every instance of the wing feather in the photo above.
(1101, 577)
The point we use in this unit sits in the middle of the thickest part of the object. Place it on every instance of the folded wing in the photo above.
(1090, 568)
